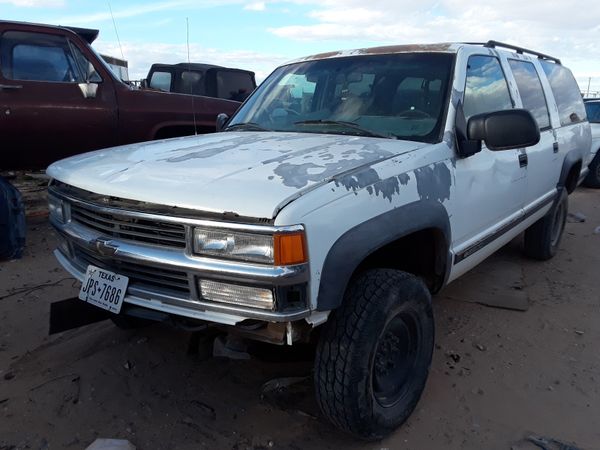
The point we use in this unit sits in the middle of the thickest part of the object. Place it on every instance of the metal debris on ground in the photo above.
(543, 443)
(576, 217)
(111, 444)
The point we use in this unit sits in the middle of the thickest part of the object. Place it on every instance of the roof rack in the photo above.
(521, 50)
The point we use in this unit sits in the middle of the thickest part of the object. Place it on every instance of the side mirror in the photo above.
(222, 120)
(504, 130)
(144, 83)
(88, 89)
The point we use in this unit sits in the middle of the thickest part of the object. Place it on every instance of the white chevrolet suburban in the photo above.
(347, 189)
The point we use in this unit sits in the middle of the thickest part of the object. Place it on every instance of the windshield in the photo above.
(399, 96)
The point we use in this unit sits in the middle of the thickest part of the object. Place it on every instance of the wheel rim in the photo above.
(395, 359)
(558, 223)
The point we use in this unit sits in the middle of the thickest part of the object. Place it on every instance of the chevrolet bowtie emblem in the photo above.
(105, 248)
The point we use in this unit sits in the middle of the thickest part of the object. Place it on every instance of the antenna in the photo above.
(116, 32)
(187, 25)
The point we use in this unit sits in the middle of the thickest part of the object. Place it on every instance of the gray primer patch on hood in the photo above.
(299, 175)
(433, 182)
(358, 180)
(214, 148)
(390, 186)
(370, 180)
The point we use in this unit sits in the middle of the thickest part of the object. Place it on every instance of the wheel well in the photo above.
(423, 253)
(180, 130)
(573, 177)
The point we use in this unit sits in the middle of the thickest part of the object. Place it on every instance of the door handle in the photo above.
(11, 86)
(555, 147)
(523, 160)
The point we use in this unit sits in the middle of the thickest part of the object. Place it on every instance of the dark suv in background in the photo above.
(201, 79)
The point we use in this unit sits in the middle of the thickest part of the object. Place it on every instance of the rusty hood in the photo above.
(248, 173)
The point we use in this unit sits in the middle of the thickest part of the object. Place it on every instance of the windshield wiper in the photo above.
(248, 126)
(354, 126)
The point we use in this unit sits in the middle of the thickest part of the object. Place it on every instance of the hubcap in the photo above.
(395, 359)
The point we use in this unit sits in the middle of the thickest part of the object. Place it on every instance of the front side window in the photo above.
(395, 96)
(566, 93)
(37, 57)
(161, 81)
(593, 111)
(531, 91)
(486, 89)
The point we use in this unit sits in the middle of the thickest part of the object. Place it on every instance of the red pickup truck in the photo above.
(59, 98)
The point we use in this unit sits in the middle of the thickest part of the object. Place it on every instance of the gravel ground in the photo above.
(499, 376)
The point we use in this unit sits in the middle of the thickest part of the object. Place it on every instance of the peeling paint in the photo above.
(433, 182)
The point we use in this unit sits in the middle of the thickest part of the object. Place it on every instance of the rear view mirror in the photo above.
(222, 120)
(504, 130)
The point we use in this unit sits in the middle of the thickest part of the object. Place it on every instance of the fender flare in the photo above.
(571, 159)
(358, 243)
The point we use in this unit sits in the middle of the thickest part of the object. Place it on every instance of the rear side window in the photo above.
(161, 81)
(486, 89)
(191, 82)
(532, 93)
(234, 85)
(566, 93)
(37, 57)
(593, 111)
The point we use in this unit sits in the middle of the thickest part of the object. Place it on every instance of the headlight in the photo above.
(279, 249)
(56, 209)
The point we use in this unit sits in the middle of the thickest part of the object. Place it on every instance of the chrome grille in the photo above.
(130, 228)
(139, 275)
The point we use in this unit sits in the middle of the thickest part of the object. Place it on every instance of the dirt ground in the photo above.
(498, 375)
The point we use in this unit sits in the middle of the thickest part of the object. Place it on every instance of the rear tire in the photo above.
(374, 353)
(543, 237)
(592, 179)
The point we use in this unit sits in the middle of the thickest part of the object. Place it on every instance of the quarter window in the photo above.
(531, 91)
(234, 85)
(566, 93)
(486, 89)
(37, 57)
(593, 111)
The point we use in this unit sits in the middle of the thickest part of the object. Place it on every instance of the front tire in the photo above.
(374, 353)
(592, 179)
(543, 237)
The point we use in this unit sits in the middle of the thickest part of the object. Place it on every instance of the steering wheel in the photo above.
(416, 113)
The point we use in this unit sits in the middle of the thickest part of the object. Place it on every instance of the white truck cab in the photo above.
(347, 189)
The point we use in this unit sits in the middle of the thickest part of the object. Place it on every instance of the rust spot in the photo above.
(387, 49)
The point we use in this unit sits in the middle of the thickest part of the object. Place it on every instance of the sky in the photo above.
(260, 35)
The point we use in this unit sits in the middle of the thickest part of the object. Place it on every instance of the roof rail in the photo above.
(521, 50)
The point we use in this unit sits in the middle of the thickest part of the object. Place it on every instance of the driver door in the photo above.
(44, 113)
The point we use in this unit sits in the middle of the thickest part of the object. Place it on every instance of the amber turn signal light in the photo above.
(290, 248)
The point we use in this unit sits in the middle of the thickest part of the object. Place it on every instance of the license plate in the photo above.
(104, 289)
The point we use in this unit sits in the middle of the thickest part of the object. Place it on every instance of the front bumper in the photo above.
(79, 247)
